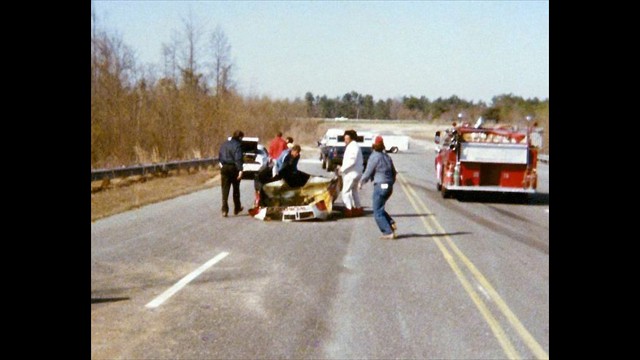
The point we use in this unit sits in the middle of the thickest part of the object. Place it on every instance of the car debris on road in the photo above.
(313, 200)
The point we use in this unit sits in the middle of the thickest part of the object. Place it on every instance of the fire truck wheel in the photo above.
(445, 193)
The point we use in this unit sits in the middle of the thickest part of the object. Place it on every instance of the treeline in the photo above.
(188, 105)
(503, 108)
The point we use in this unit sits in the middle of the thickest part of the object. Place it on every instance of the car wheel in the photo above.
(394, 149)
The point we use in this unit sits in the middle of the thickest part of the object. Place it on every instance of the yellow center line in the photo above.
(525, 335)
(497, 330)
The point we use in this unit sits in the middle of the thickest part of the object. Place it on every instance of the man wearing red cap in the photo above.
(381, 170)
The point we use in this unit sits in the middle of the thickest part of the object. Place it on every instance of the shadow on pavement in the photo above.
(504, 198)
(408, 215)
(104, 300)
(414, 235)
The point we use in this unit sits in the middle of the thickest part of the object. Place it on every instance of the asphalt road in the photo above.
(467, 278)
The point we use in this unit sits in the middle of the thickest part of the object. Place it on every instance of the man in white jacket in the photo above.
(351, 171)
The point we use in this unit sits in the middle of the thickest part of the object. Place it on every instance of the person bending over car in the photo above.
(285, 168)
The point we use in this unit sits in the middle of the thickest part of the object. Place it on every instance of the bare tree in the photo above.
(189, 53)
(170, 58)
(94, 60)
(93, 20)
(113, 66)
(221, 66)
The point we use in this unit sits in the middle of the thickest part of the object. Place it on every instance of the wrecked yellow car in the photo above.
(282, 202)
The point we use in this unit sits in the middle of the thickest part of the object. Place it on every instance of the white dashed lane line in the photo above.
(185, 280)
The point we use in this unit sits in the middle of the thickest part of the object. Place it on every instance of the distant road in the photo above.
(467, 279)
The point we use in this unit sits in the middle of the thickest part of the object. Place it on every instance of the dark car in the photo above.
(329, 140)
(332, 155)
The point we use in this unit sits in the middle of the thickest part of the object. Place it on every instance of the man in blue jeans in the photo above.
(381, 170)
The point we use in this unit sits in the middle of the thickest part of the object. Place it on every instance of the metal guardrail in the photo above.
(101, 174)
(544, 158)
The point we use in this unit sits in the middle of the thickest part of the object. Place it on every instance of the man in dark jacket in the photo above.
(286, 168)
(230, 158)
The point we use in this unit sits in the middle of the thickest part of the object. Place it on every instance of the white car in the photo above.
(255, 157)
(330, 137)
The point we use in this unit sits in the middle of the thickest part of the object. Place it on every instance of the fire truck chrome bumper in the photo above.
(491, 189)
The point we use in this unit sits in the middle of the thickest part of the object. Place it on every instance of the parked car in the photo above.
(329, 139)
(332, 155)
(255, 157)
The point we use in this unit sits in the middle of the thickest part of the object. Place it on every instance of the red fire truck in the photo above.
(496, 159)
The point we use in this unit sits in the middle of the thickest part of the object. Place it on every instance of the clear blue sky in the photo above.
(472, 49)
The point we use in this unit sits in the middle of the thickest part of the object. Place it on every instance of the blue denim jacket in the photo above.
(380, 169)
(285, 161)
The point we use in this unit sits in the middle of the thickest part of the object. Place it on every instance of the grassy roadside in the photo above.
(136, 191)
(121, 195)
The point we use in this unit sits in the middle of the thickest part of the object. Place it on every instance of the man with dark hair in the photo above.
(277, 146)
(289, 142)
(351, 171)
(285, 168)
(230, 159)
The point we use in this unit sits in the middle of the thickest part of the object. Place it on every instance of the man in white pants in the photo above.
(351, 171)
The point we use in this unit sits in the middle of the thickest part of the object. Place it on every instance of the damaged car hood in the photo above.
(313, 200)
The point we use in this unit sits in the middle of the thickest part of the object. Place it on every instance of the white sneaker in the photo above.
(389, 236)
